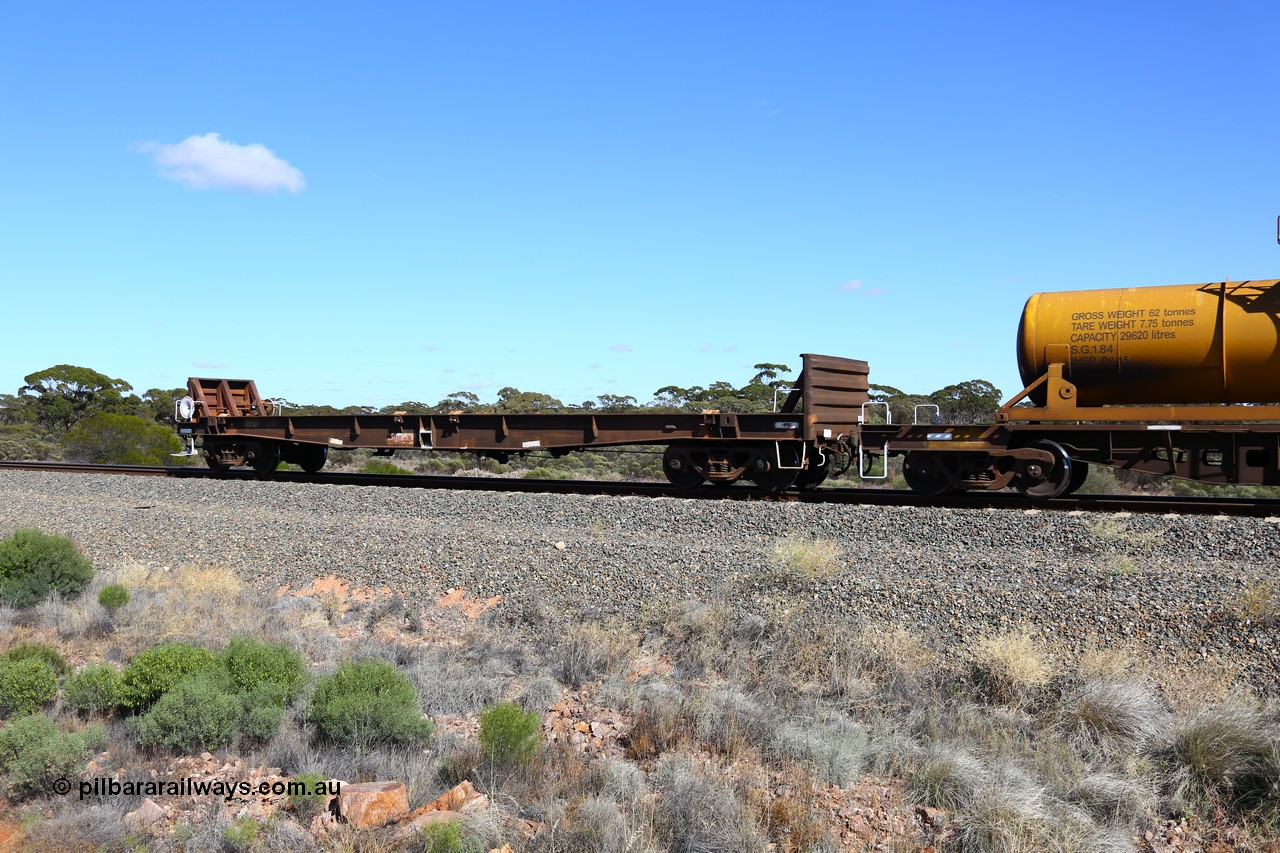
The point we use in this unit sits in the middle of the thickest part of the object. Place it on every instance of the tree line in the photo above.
(77, 413)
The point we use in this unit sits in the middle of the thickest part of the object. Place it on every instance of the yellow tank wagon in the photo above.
(1210, 345)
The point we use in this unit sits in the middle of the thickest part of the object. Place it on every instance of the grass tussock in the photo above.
(1013, 667)
(1226, 756)
(1260, 602)
(804, 558)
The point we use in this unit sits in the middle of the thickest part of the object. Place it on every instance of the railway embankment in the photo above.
(726, 675)
(1190, 591)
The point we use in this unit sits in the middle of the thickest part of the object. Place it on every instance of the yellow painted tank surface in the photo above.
(1181, 344)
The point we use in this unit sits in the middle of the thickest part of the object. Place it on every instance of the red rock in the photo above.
(370, 804)
(453, 799)
(11, 837)
(147, 818)
(322, 824)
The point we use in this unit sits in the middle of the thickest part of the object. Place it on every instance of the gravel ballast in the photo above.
(1171, 585)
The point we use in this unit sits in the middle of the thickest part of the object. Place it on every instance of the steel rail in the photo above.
(1258, 507)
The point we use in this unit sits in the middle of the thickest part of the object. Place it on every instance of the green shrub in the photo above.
(96, 688)
(201, 711)
(508, 733)
(242, 834)
(311, 798)
(381, 466)
(251, 663)
(34, 753)
(261, 722)
(152, 672)
(448, 838)
(25, 685)
(41, 652)
(368, 701)
(33, 565)
(120, 440)
(113, 596)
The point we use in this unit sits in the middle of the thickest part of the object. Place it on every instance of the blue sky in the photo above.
(374, 203)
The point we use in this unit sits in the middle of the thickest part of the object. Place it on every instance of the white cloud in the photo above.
(211, 162)
(621, 348)
(856, 285)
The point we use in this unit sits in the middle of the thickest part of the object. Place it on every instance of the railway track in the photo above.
(1257, 507)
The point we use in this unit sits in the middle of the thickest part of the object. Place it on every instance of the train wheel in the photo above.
(312, 457)
(214, 463)
(266, 458)
(811, 478)
(768, 474)
(680, 474)
(925, 476)
(1041, 484)
(1079, 473)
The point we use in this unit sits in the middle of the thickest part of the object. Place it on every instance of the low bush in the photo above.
(242, 833)
(201, 711)
(261, 722)
(153, 672)
(38, 651)
(448, 837)
(508, 733)
(34, 565)
(96, 689)
(381, 466)
(368, 701)
(252, 663)
(121, 440)
(34, 753)
(113, 596)
(26, 685)
(310, 799)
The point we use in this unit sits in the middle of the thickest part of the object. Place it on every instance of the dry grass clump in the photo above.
(1116, 718)
(1114, 798)
(697, 813)
(890, 656)
(837, 750)
(1012, 667)
(1110, 530)
(800, 557)
(659, 724)
(1260, 602)
(589, 650)
(946, 778)
(594, 824)
(1227, 755)
(188, 603)
(454, 687)
(697, 637)
(731, 721)
(791, 816)
(89, 827)
(1107, 662)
